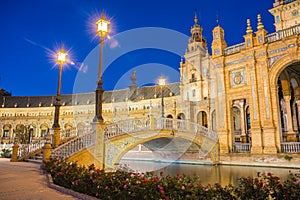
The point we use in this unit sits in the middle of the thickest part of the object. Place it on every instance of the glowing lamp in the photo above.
(162, 81)
(102, 26)
(62, 56)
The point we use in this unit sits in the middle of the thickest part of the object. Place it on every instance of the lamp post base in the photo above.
(56, 137)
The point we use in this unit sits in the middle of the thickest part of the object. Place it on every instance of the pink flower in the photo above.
(125, 186)
(189, 184)
(127, 180)
(183, 188)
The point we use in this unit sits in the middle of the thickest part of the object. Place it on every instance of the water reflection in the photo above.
(224, 174)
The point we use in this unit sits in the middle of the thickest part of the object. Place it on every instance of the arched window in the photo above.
(181, 116)
(202, 119)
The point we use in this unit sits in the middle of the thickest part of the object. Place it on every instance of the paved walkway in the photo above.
(23, 180)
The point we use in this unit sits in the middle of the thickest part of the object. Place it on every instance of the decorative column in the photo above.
(47, 148)
(291, 133)
(99, 152)
(243, 133)
(295, 122)
(14, 156)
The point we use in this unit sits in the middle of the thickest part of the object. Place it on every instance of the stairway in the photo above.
(38, 158)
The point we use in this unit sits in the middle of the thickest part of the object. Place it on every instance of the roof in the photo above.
(146, 92)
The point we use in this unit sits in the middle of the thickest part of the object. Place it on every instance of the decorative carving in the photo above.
(237, 77)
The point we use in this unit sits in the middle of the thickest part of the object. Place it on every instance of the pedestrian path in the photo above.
(24, 180)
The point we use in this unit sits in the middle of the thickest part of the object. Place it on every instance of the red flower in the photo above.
(161, 173)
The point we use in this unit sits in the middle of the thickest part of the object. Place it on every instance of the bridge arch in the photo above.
(117, 147)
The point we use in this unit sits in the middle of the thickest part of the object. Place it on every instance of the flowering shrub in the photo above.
(125, 184)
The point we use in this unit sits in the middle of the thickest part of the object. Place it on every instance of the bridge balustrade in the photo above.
(26, 149)
(73, 146)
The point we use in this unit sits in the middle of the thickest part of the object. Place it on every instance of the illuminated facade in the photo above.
(248, 93)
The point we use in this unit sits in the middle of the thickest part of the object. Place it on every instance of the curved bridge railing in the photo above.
(145, 124)
(73, 146)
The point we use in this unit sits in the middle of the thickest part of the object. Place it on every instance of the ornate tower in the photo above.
(195, 66)
(286, 13)
(218, 43)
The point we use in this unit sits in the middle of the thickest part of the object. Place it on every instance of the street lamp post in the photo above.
(162, 83)
(61, 60)
(102, 26)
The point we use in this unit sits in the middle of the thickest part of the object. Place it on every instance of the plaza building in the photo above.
(249, 93)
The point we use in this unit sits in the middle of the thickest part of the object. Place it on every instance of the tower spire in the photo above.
(196, 18)
(217, 18)
(249, 28)
(259, 22)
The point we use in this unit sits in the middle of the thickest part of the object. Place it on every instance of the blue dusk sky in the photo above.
(146, 36)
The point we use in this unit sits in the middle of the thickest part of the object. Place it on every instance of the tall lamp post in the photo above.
(102, 26)
(162, 83)
(61, 60)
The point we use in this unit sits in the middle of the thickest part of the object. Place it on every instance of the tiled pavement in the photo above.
(24, 180)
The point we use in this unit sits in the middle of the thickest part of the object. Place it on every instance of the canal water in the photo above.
(224, 174)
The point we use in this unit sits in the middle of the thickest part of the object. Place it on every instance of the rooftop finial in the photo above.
(259, 23)
(249, 28)
(196, 17)
(217, 18)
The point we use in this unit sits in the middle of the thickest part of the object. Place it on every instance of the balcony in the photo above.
(290, 147)
(241, 147)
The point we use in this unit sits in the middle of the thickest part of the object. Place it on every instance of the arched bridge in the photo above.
(122, 136)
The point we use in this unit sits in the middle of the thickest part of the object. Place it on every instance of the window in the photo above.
(217, 51)
(193, 78)
(260, 39)
(43, 133)
(277, 18)
(6, 133)
(194, 92)
(248, 42)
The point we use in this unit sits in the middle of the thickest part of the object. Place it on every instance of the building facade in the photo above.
(248, 93)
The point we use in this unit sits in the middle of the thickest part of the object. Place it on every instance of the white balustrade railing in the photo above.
(273, 37)
(25, 150)
(6, 146)
(294, 30)
(68, 133)
(241, 147)
(290, 147)
(73, 146)
(125, 127)
(234, 49)
(136, 125)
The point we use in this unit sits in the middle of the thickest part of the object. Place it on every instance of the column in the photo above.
(295, 123)
(242, 113)
(291, 133)
(298, 106)
(99, 153)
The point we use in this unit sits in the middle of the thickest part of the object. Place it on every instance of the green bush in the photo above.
(124, 184)
(6, 153)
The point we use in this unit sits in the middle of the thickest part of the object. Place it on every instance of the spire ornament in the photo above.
(249, 28)
(196, 18)
(260, 25)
